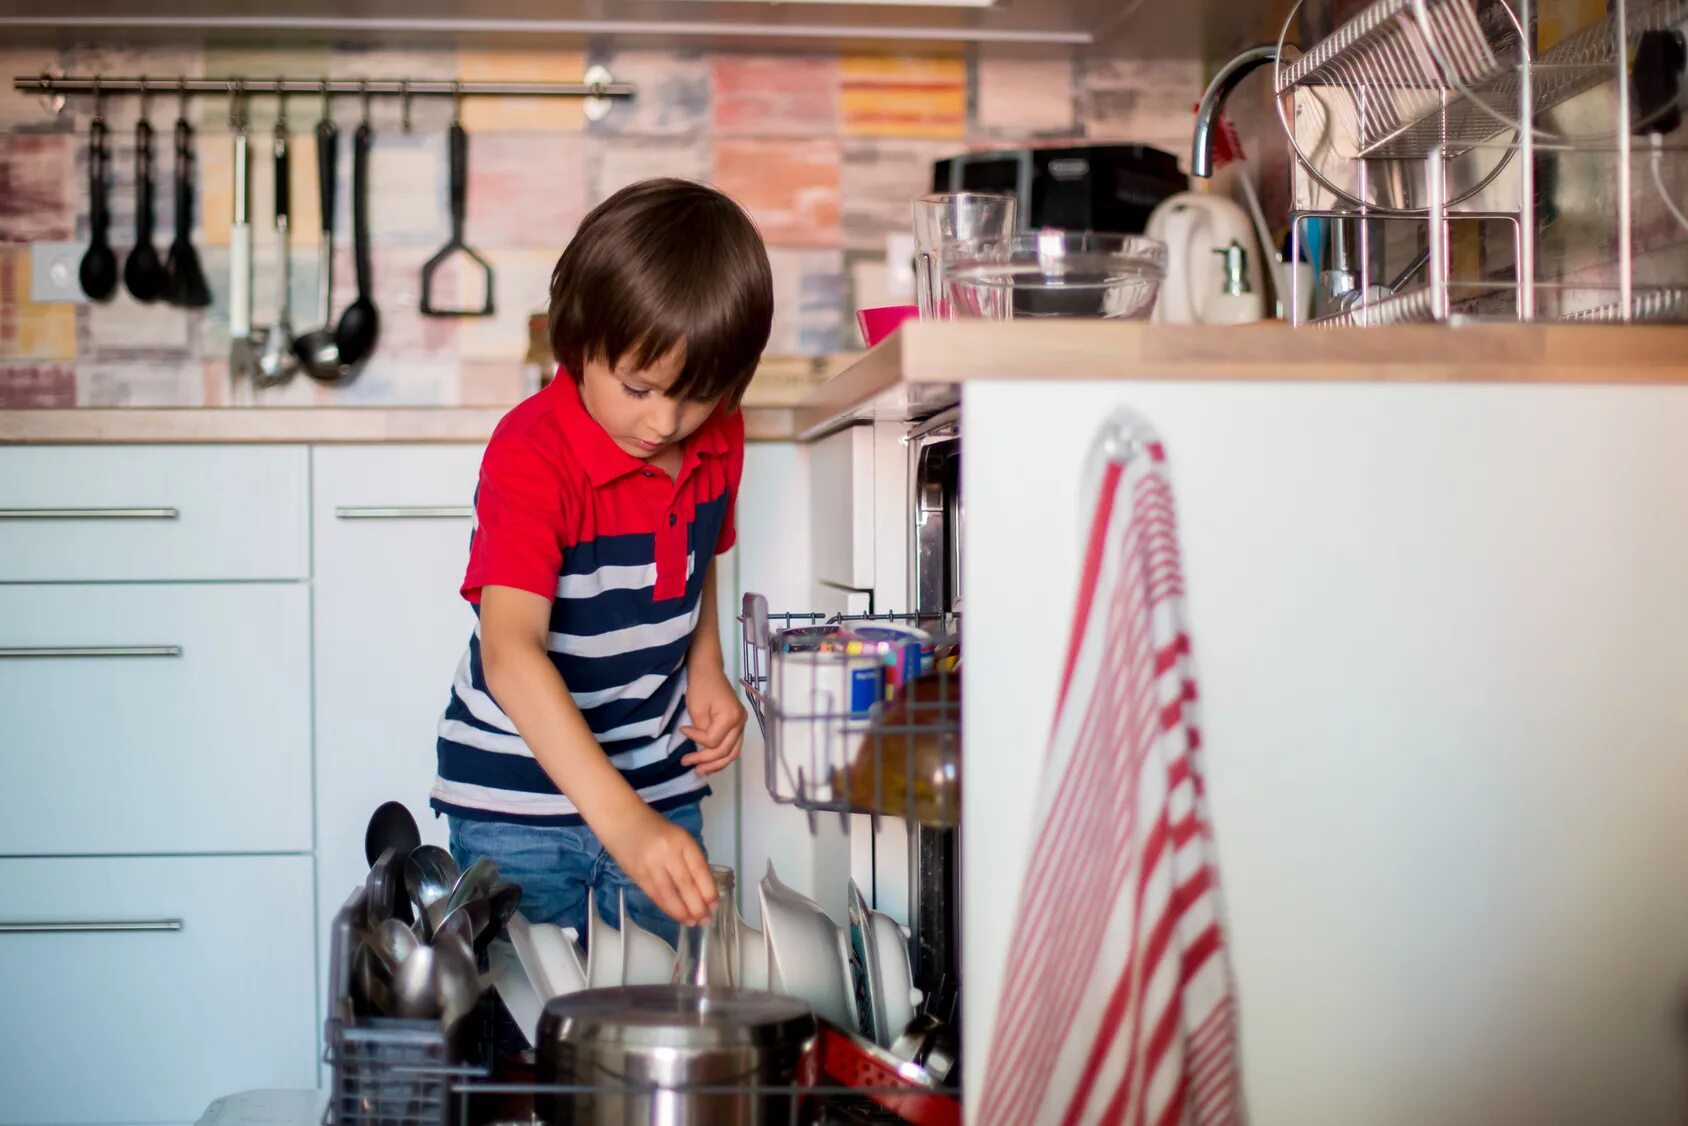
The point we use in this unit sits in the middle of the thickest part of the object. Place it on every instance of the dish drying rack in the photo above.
(1427, 112)
(899, 759)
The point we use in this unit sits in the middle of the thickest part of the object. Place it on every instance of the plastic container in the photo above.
(1058, 274)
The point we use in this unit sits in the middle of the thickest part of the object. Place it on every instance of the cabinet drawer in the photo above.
(154, 718)
(138, 989)
(155, 512)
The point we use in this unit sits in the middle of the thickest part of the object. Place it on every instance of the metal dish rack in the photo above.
(387, 1072)
(900, 757)
(1429, 111)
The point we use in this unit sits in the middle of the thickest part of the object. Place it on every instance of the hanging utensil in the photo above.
(98, 272)
(243, 358)
(276, 362)
(184, 278)
(318, 353)
(459, 151)
(360, 324)
(143, 272)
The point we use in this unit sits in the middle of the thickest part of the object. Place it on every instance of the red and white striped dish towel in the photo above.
(1117, 1005)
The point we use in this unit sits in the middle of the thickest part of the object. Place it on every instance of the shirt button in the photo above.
(648, 473)
(672, 519)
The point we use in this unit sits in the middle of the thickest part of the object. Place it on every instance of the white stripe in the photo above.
(651, 752)
(649, 728)
(456, 731)
(628, 640)
(470, 796)
(640, 576)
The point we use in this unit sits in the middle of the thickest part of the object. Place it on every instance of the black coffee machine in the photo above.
(1075, 188)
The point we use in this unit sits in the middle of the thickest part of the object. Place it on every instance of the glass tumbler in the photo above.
(943, 222)
(708, 956)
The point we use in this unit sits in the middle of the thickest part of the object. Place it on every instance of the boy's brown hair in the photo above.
(659, 263)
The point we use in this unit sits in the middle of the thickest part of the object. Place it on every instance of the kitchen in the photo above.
(1445, 879)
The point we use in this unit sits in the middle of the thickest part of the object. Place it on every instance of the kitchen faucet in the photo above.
(1213, 99)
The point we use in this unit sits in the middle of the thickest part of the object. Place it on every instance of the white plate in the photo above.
(808, 954)
(516, 989)
(647, 959)
(604, 953)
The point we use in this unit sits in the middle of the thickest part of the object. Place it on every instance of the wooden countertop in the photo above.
(920, 365)
(316, 425)
(919, 369)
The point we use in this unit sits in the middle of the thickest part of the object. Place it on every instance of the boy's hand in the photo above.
(717, 719)
(665, 862)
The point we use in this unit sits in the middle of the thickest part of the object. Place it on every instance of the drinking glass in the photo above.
(708, 956)
(942, 222)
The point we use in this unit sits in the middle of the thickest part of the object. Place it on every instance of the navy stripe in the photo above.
(594, 674)
(563, 820)
(458, 763)
(618, 609)
(635, 549)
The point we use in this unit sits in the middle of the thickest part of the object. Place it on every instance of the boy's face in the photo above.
(632, 406)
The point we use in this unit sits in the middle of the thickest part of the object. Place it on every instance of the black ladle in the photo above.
(98, 272)
(360, 324)
(143, 272)
(184, 278)
(318, 351)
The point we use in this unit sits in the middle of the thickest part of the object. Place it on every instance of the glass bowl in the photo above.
(1057, 274)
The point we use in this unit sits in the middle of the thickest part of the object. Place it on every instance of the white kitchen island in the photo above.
(1438, 588)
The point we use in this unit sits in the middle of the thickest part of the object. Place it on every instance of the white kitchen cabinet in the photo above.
(116, 513)
(169, 981)
(158, 718)
(391, 540)
(840, 512)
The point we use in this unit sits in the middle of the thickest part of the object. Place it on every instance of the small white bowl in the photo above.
(550, 956)
(753, 957)
(808, 954)
(605, 956)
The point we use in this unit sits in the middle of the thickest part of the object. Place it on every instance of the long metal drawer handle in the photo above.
(24, 652)
(89, 514)
(115, 927)
(401, 512)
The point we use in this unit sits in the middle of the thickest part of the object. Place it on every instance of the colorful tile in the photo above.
(408, 184)
(776, 95)
(123, 328)
(1024, 96)
(137, 383)
(1151, 101)
(522, 287)
(37, 386)
(394, 381)
(38, 187)
(620, 161)
(526, 189)
(522, 115)
(904, 96)
(232, 62)
(881, 178)
(490, 383)
(163, 62)
(673, 97)
(28, 330)
(808, 301)
(427, 113)
(791, 188)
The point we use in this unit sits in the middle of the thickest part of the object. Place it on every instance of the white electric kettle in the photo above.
(1196, 227)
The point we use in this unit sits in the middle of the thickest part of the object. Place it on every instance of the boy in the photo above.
(593, 700)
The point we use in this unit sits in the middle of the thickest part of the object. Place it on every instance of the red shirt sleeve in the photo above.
(734, 424)
(521, 518)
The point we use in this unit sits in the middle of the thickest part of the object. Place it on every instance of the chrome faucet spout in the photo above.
(1213, 100)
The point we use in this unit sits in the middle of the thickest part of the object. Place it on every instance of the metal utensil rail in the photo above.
(900, 758)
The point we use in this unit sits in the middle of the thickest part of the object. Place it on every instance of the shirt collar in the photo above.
(597, 452)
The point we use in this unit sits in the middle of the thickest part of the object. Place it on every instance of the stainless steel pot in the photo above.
(640, 1054)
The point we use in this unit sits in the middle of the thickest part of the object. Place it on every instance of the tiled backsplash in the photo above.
(824, 149)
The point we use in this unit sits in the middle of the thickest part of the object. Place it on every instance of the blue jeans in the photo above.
(556, 866)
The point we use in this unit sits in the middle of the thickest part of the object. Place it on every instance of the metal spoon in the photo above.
(276, 362)
(390, 826)
(457, 982)
(475, 883)
(465, 923)
(416, 995)
(430, 875)
(384, 890)
(393, 944)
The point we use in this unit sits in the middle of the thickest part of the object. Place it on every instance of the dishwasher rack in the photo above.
(388, 1072)
(830, 750)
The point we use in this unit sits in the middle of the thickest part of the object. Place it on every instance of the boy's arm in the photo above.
(655, 853)
(717, 716)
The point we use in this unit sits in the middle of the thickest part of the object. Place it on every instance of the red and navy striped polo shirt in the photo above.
(621, 548)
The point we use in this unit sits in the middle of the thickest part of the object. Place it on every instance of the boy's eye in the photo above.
(636, 392)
